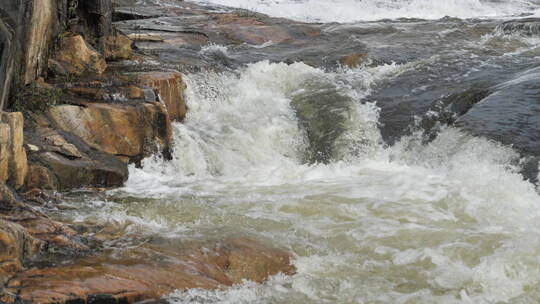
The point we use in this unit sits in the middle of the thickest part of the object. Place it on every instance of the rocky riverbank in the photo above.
(81, 105)
(90, 88)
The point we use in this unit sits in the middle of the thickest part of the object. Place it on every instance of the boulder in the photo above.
(77, 57)
(132, 130)
(151, 271)
(62, 161)
(170, 88)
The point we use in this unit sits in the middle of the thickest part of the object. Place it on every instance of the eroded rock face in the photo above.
(151, 271)
(16, 245)
(13, 162)
(170, 88)
(132, 131)
(18, 166)
(77, 57)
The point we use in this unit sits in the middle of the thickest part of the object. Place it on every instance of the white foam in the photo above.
(370, 10)
(447, 222)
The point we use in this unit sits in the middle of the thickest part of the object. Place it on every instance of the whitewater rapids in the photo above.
(447, 222)
(345, 11)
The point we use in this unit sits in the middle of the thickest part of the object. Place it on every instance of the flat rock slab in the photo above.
(178, 37)
(150, 272)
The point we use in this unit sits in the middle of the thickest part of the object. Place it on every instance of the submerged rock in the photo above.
(354, 60)
(510, 115)
(151, 271)
(325, 115)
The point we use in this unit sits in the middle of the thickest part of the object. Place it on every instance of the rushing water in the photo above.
(369, 10)
(294, 156)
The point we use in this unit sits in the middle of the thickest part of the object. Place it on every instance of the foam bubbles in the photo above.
(370, 10)
(446, 222)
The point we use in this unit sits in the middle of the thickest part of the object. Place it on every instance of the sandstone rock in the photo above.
(146, 37)
(77, 57)
(63, 161)
(118, 47)
(16, 245)
(170, 87)
(5, 140)
(17, 162)
(132, 130)
(119, 92)
(248, 260)
(151, 271)
(354, 60)
(42, 26)
(51, 232)
(73, 174)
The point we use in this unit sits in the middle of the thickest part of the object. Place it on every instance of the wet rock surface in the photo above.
(151, 271)
(176, 35)
(124, 115)
(170, 87)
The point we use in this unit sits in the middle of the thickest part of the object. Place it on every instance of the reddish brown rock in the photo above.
(170, 88)
(354, 60)
(150, 271)
(77, 57)
(133, 130)
(16, 245)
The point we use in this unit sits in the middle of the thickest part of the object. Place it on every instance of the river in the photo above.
(382, 186)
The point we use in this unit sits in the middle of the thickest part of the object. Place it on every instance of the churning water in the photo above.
(369, 10)
(446, 222)
(294, 156)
